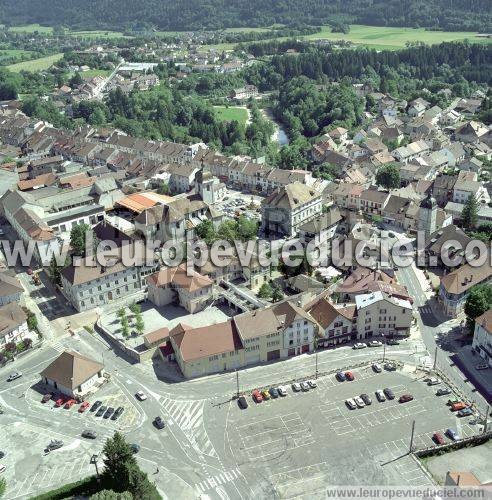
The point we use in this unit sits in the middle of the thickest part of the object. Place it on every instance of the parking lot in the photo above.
(314, 437)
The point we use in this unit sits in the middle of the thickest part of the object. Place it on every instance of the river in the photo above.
(279, 135)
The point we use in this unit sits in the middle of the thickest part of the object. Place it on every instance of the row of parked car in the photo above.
(275, 392)
(455, 404)
(381, 396)
(374, 343)
(97, 407)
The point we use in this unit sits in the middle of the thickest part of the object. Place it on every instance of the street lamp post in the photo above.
(316, 360)
(384, 348)
(94, 461)
(237, 383)
(411, 436)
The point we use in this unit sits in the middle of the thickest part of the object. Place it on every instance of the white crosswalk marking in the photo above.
(188, 415)
(219, 479)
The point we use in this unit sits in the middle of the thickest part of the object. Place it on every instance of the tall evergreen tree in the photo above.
(469, 215)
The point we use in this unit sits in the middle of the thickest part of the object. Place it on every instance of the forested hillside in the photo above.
(454, 15)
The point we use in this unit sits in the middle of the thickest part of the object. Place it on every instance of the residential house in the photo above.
(482, 337)
(13, 324)
(11, 288)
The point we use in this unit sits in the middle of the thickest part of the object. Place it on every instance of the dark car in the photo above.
(117, 413)
(466, 412)
(389, 393)
(55, 444)
(273, 392)
(452, 434)
(438, 438)
(96, 405)
(390, 367)
(89, 434)
(341, 376)
(405, 398)
(159, 423)
(392, 342)
(101, 410)
(108, 412)
(367, 400)
(47, 397)
(242, 403)
(443, 391)
(135, 447)
(349, 376)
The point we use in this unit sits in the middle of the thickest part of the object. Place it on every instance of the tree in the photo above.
(206, 231)
(479, 300)
(76, 80)
(3, 486)
(78, 239)
(164, 189)
(54, 271)
(136, 309)
(139, 484)
(121, 312)
(139, 324)
(469, 215)
(277, 294)
(112, 495)
(265, 291)
(247, 229)
(118, 459)
(32, 321)
(388, 176)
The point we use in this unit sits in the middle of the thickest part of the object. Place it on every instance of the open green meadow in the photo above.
(8, 54)
(32, 28)
(35, 64)
(231, 113)
(95, 72)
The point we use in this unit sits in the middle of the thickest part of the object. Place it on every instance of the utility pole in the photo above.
(411, 437)
(94, 461)
(435, 357)
(237, 383)
(384, 350)
(316, 360)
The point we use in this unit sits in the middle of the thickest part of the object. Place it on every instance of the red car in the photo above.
(257, 397)
(59, 402)
(349, 376)
(83, 406)
(438, 438)
(458, 406)
(69, 404)
(405, 398)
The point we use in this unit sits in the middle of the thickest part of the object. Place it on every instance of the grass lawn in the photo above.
(35, 64)
(31, 28)
(95, 72)
(13, 53)
(231, 113)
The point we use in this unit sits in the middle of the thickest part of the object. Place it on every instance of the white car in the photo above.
(296, 387)
(351, 404)
(375, 343)
(360, 345)
(312, 384)
(141, 396)
(359, 402)
(2, 467)
(305, 386)
(433, 381)
(282, 391)
(377, 368)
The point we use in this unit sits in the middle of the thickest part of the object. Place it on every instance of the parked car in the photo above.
(405, 398)
(3, 467)
(305, 386)
(96, 405)
(312, 384)
(374, 343)
(433, 381)
(141, 396)
(359, 402)
(101, 411)
(89, 434)
(341, 377)
(159, 423)
(351, 404)
(390, 367)
(282, 391)
(135, 448)
(2, 454)
(465, 412)
(46, 397)
(367, 400)
(296, 386)
(482, 366)
(108, 412)
(452, 434)
(59, 402)
(84, 406)
(349, 376)
(452, 401)
(266, 395)
(14, 376)
(257, 397)
(389, 393)
(392, 342)
(458, 406)
(443, 391)
(380, 396)
(377, 368)
(242, 403)
(273, 392)
(54, 444)
(69, 404)
(117, 413)
(360, 345)
(438, 438)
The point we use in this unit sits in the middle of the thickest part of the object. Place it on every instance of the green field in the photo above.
(14, 53)
(35, 64)
(31, 28)
(95, 72)
(376, 37)
(231, 113)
